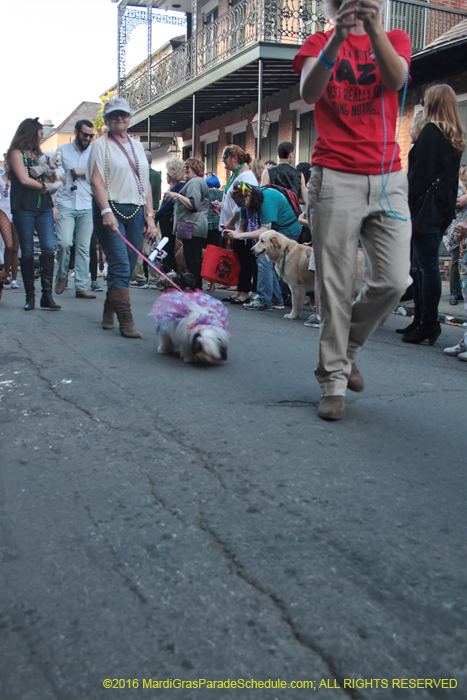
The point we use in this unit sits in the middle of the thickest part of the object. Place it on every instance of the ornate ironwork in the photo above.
(423, 22)
(272, 21)
(128, 20)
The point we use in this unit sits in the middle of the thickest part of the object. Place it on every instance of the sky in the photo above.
(59, 53)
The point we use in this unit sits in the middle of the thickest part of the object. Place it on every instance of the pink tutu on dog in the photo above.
(172, 306)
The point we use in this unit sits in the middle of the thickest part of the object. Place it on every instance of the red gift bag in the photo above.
(220, 265)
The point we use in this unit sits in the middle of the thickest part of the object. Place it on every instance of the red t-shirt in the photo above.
(349, 116)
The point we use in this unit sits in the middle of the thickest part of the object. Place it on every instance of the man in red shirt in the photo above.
(352, 74)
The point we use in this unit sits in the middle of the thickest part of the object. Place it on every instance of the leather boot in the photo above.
(108, 317)
(120, 300)
(27, 273)
(47, 274)
(425, 331)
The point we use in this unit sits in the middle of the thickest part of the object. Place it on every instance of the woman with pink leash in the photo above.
(119, 175)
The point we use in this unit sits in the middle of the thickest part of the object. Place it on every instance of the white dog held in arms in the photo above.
(193, 324)
(50, 167)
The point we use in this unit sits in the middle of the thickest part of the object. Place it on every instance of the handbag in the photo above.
(420, 207)
(220, 265)
(185, 229)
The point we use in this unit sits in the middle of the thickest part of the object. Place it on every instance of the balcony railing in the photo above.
(272, 21)
(423, 22)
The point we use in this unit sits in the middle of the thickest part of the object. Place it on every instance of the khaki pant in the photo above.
(344, 209)
(138, 272)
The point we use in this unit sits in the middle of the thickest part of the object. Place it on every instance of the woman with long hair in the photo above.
(433, 168)
(32, 210)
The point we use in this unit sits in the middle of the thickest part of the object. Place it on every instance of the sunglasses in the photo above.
(119, 115)
(86, 136)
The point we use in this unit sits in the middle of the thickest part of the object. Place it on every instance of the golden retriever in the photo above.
(291, 262)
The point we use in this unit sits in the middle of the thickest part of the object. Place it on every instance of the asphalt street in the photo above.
(164, 521)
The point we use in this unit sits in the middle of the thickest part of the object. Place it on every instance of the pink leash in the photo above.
(149, 262)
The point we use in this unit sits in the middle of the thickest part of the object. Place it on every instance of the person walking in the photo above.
(31, 208)
(352, 74)
(8, 234)
(74, 208)
(433, 181)
(118, 172)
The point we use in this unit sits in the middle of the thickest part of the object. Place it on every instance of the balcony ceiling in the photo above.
(235, 90)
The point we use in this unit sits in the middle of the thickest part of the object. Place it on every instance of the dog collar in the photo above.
(281, 273)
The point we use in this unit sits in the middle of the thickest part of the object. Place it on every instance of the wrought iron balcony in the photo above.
(283, 22)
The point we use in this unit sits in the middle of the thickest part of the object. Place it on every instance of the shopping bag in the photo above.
(220, 265)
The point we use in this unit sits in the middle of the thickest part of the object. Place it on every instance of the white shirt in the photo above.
(81, 198)
(229, 208)
(122, 181)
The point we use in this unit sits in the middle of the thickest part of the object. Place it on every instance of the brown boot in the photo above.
(120, 300)
(108, 317)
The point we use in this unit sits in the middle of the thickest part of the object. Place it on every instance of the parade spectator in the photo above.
(284, 174)
(74, 207)
(434, 171)
(257, 166)
(190, 206)
(119, 174)
(139, 278)
(449, 239)
(215, 196)
(32, 210)
(237, 162)
(165, 215)
(305, 169)
(460, 232)
(270, 163)
(263, 209)
(352, 149)
(8, 234)
(155, 180)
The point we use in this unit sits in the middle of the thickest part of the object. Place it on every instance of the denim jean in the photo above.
(425, 269)
(79, 223)
(43, 222)
(267, 286)
(121, 259)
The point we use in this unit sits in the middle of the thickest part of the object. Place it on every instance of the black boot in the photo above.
(408, 329)
(425, 331)
(47, 274)
(27, 273)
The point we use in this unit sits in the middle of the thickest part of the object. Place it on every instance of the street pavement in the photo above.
(164, 521)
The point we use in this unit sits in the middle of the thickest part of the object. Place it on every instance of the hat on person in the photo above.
(213, 181)
(117, 104)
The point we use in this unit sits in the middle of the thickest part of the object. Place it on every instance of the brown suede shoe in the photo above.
(356, 381)
(60, 285)
(331, 407)
(84, 294)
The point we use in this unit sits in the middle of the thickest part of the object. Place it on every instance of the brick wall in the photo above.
(287, 121)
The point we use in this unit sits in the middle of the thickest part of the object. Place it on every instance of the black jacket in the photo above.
(433, 157)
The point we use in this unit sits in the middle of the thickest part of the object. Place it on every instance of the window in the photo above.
(308, 136)
(270, 143)
(211, 157)
(186, 152)
(240, 140)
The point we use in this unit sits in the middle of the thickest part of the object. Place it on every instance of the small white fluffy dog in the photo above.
(50, 167)
(192, 324)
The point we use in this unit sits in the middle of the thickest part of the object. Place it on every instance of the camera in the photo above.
(74, 187)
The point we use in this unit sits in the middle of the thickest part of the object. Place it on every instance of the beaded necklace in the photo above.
(34, 162)
(136, 174)
(252, 219)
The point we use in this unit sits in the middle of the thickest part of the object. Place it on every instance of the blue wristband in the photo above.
(327, 63)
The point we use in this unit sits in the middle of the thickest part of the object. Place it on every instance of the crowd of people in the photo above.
(341, 203)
